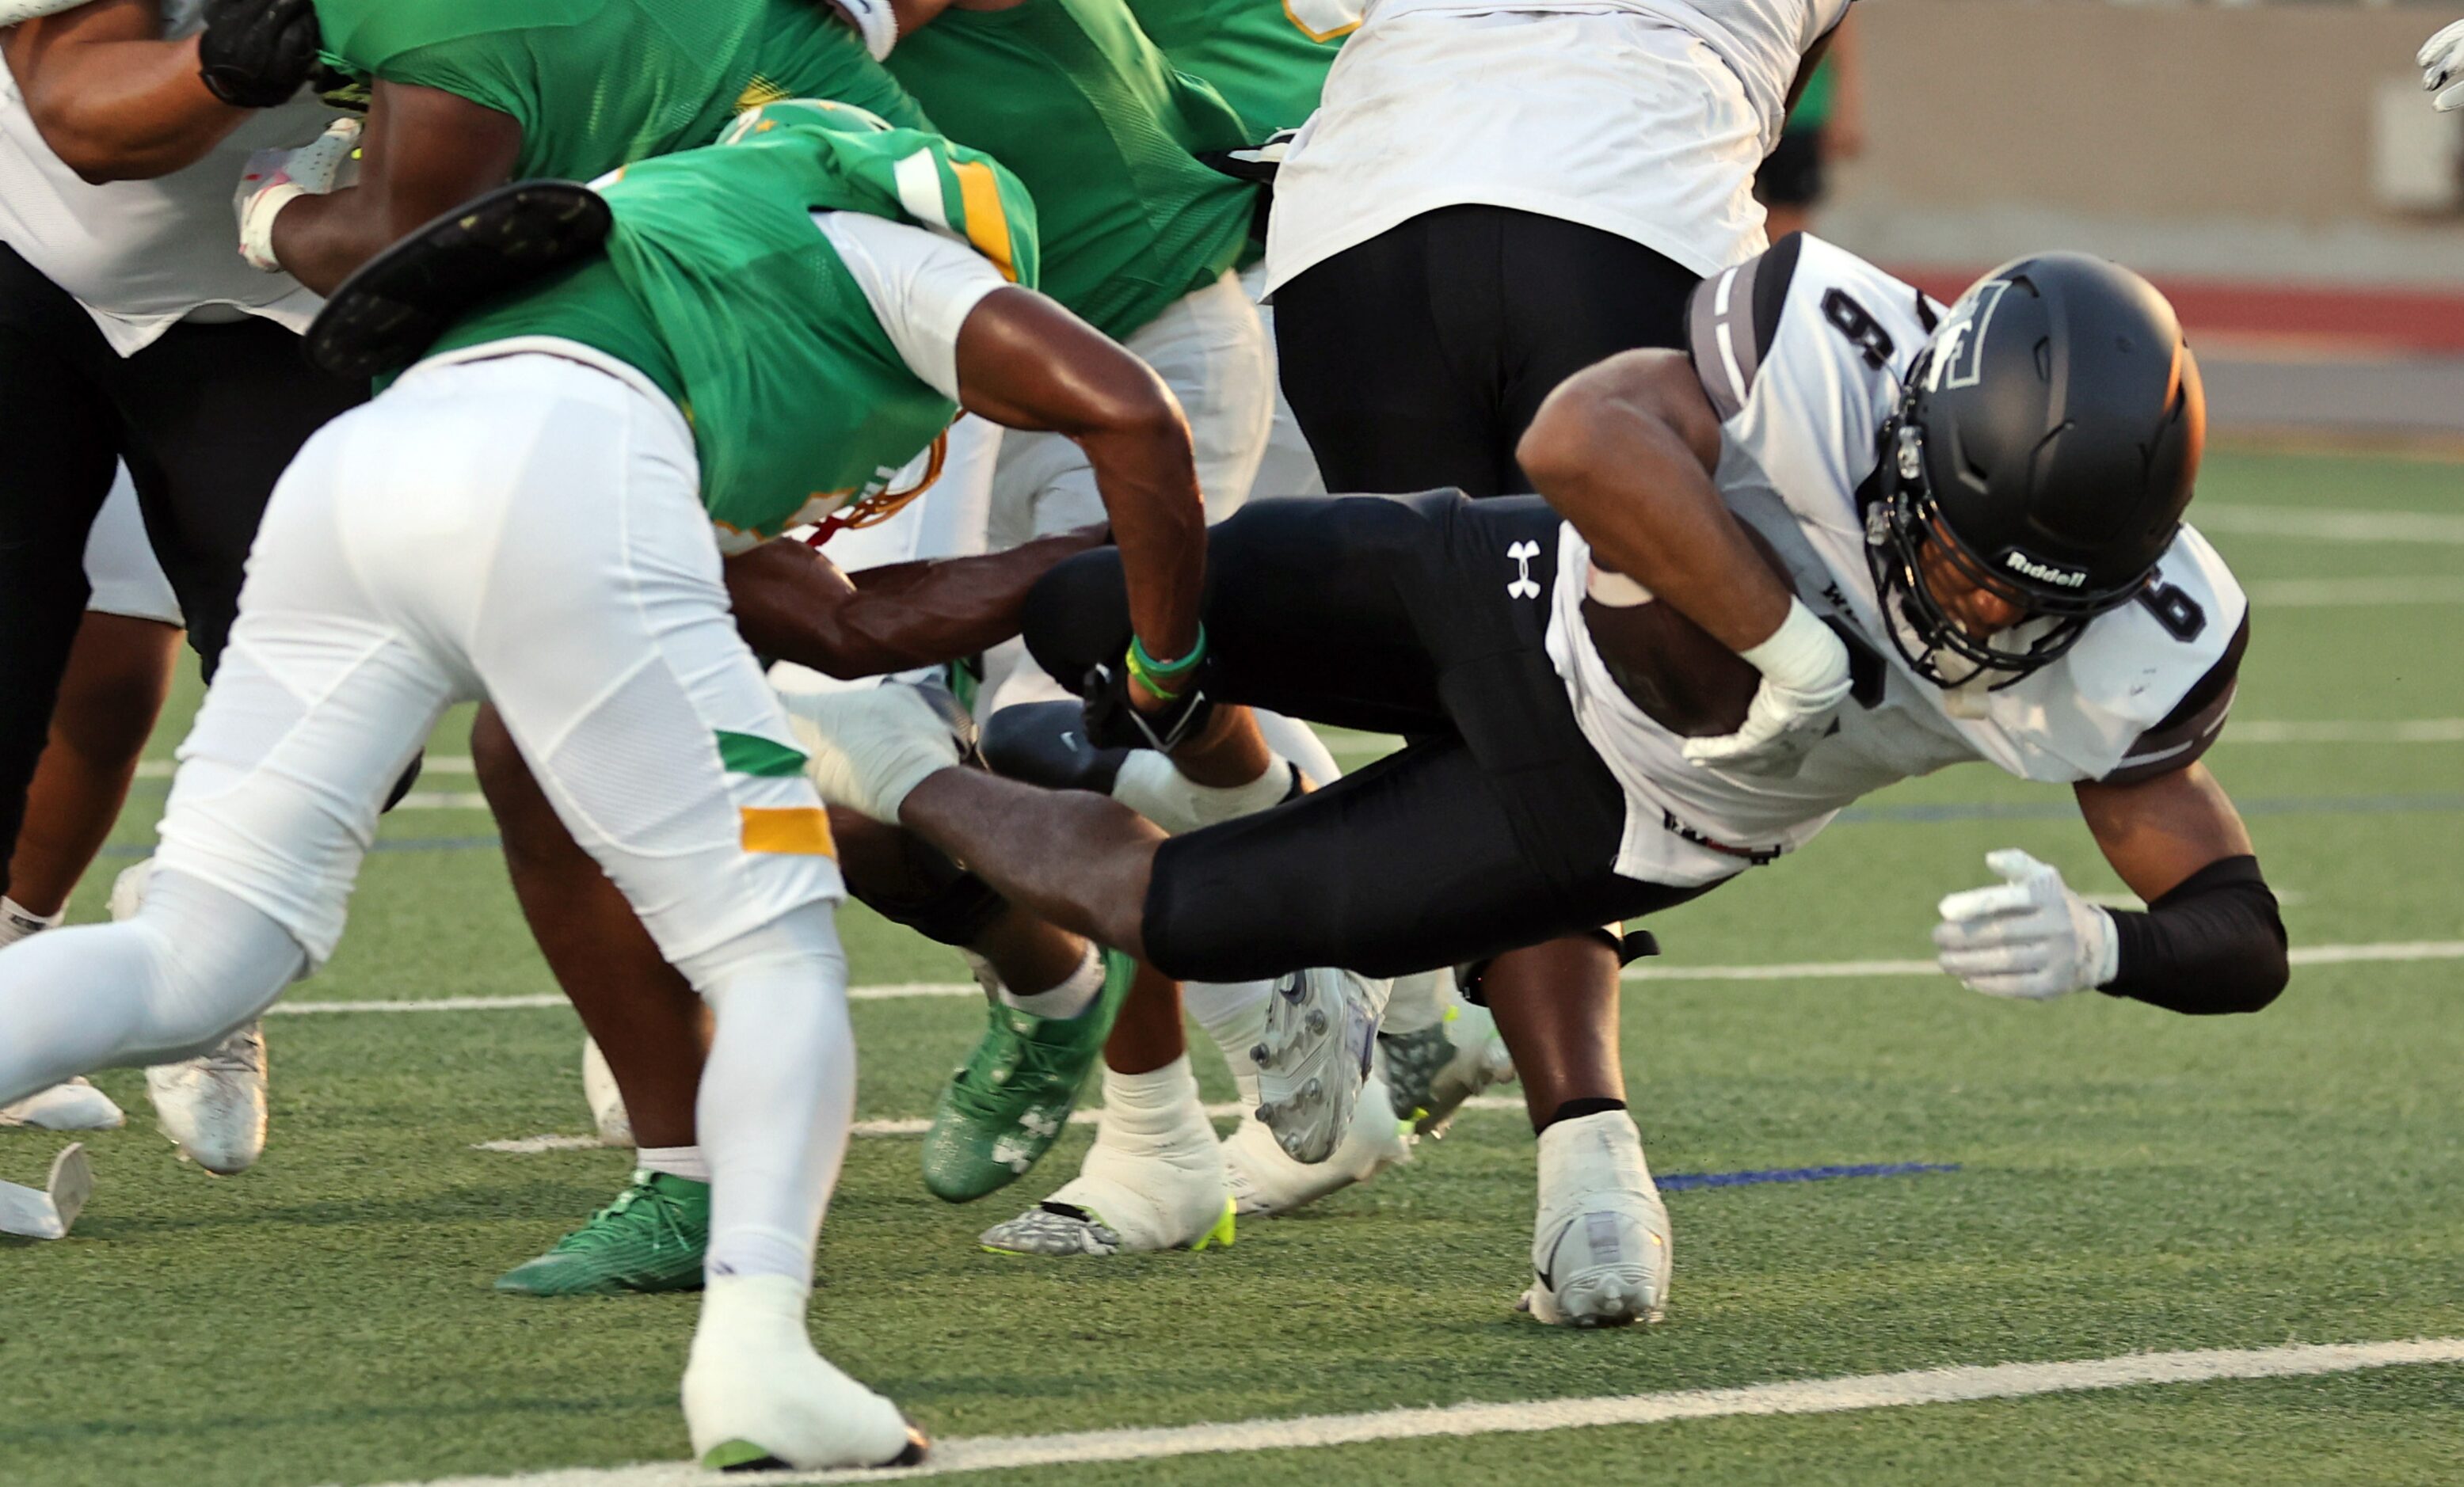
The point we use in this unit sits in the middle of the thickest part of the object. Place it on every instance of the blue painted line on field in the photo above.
(1679, 1182)
(1884, 815)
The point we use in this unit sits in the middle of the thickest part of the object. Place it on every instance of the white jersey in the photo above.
(142, 256)
(1647, 118)
(1802, 352)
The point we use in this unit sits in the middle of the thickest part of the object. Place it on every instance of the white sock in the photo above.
(685, 1161)
(777, 1093)
(1297, 741)
(1234, 1013)
(1071, 998)
(1150, 785)
(1419, 1002)
(170, 984)
(1154, 1107)
(18, 922)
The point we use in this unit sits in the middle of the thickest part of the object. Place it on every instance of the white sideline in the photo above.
(1787, 971)
(1805, 1396)
(2327, 523)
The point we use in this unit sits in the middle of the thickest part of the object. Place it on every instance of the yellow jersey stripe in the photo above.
(788, 831)
(987, 224)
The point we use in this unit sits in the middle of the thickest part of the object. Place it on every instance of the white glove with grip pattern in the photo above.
(1805, 680)
(2028, 938)
(2441, 61)
(275, 179)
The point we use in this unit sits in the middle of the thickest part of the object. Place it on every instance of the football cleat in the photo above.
(76, 1105)
(1265, 1182)
(757, 1397)
(1600, 1247)
(1135, 1193)
(1321, 1029)
(1006, 1105)
(1433, 1071)
(51, 1212)
(651, 1238)
(213, 1107)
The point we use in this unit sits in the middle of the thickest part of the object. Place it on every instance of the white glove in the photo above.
(868, 747)
(1805, 680)
(2028, 936)
(2441, 59)
(275, 179)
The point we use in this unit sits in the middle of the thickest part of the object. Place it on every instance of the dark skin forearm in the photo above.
(1625, 451)
(1026, 362)
(113, 100)
(425, 153)
(793, 603)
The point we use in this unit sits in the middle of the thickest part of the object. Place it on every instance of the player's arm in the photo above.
(425, 152)
(1625, 450)
(1026, 362)
(792, 604)
(113, 100)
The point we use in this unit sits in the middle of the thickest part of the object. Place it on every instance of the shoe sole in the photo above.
(1220, 1235)
(1312, 1063)
(744, 1455)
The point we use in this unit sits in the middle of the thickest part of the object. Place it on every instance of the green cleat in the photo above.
(651, 1238)
(1008, 1103)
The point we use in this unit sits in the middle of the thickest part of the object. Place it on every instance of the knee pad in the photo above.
(1045, 743)
(801, 935)
(934, 896)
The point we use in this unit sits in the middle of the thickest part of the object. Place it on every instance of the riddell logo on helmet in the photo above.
(2027, 567)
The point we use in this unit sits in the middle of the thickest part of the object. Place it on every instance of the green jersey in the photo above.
(1073, 96)
(596, 84)
(718, 286)
(1258, 54)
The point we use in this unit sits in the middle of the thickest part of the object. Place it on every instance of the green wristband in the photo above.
(1141, 659)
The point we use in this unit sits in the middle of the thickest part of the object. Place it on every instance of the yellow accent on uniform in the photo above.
(759, 91)
(788, 831)
(987, 225)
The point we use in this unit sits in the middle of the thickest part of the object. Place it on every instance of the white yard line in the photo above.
(1805, 1396)
(2353, 593)
(2329, 524)
(1785, 971)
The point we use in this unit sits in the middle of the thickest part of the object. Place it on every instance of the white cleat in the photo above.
(608, 1110)
(757, 1396)
(213, 1107)
(51, 1213)
(868, 747)
(76, 1105)
(1433, 1071)
(1137, 1193)
(1321, 1030)
(1599, 1249)
(1265, 1182)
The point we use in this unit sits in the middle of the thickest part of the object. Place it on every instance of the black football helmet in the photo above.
(2048, 440)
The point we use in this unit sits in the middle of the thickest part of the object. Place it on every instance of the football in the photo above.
(1676, 672)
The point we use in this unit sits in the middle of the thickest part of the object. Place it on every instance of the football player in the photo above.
(1975, 552)
(529, 516)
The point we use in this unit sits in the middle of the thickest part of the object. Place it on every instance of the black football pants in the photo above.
(1417, 359)
(207, 419)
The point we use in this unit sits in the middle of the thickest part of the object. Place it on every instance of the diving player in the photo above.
(529, 516)
(1978, 511)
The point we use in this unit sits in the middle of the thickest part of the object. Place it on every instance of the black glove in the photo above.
(1115, 722)
(258, 54)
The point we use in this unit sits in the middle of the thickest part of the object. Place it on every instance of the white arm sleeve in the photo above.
(922, 287)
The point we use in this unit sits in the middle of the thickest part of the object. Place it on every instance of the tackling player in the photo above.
(528, 515)
(1977, 555)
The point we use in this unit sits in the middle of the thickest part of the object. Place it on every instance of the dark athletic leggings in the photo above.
(206, 418)
(1418, 357)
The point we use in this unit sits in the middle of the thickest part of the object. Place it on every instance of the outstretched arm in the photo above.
(793, 603)
(1026, 362)
(425, 152)
(113, 100)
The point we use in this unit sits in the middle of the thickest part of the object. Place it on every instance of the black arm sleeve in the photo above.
(2214, 944)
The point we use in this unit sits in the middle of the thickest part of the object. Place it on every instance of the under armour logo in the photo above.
(1523, 586)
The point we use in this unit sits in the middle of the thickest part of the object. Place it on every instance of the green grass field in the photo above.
(2126, 1180)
